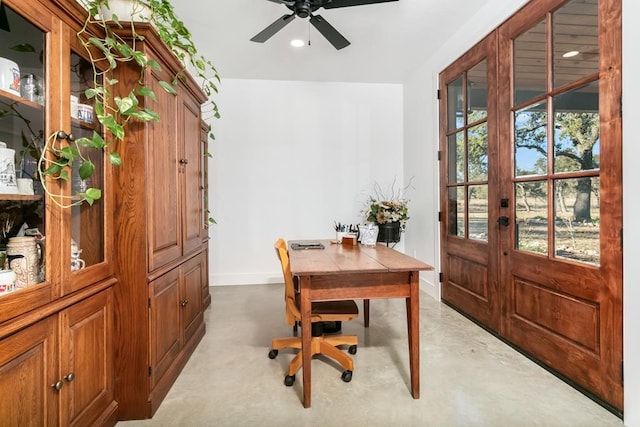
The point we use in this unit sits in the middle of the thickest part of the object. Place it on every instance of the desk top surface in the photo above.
(336, 258)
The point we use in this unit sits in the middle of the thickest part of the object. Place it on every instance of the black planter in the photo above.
(389, 232)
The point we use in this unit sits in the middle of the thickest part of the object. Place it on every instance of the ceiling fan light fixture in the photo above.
(297, 43)
(571, 54)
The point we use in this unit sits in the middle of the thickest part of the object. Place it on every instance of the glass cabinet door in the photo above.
(87, 221)
(22, 137)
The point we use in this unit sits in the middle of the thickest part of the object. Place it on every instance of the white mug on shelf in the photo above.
(8, 183)
(25, 186)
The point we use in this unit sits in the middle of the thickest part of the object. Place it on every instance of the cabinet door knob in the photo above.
(57, 385)
(184, 303)
(184, 161)
(70, 376)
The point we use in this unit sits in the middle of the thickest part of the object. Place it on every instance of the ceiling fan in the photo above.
(305, 9)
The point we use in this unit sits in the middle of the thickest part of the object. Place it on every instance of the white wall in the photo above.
(631, 176)
(290, 158)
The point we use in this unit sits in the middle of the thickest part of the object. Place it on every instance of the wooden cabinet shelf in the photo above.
(20, 198)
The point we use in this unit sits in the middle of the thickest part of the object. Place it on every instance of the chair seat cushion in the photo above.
(345, 307)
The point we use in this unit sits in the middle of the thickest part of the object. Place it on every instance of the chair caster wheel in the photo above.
(289, 380)
(346, 376)
(353, 349)
(273, 354)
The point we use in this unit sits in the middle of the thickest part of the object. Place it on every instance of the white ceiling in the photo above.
(388, 40)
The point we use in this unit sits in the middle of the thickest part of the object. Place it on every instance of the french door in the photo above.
(531, 188)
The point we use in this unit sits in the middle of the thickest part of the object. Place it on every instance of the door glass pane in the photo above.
(531, 140)
(456, 157)
(477, 92)
(577, 130)
(575, 41)
(477, 154)
(577, 219)
(530, 64)
(455, 102)
(457, 211)
(87, 221)
(479, 212)
(22, 133)
(531, 217)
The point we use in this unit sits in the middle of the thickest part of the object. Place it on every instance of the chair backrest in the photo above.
(292, 312)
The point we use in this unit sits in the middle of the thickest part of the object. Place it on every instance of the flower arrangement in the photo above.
(381, 209)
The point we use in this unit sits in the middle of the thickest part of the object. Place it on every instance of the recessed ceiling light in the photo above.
(297, 43)
(571, 54)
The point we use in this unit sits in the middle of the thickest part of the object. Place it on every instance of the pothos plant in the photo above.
(106, 49)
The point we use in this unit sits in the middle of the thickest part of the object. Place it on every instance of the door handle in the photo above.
(503, 220)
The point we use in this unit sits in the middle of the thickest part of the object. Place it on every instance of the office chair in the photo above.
(320, 312)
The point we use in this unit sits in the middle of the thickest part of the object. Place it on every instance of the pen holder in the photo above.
(339, 236)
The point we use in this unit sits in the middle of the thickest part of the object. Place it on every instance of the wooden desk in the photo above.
(357, 272)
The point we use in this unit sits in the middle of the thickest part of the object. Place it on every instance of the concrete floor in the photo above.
(468, 377)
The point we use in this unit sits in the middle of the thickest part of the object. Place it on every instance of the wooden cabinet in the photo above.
(175, 314)
(27, 370)
(56, 334)
(159, 239)
(66, 381)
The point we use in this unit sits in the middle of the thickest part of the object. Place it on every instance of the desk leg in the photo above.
(413, 333)
(305, 314)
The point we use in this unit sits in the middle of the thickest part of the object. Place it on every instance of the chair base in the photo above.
(326, 345)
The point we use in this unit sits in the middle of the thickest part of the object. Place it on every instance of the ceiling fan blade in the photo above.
(332, 4)
(279, 24)
(287, 2)
(330, 33)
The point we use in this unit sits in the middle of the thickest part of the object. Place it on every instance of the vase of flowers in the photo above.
(390, 213)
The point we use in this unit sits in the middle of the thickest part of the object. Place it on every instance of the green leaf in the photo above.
(99, 108)
(90, 93)
(70, 153)
(115, 159)
(95, 141)
(140, 58)
(54, 169)
(124, 104)
(153, 64)
(144, 115)
(64, 175)
(114, 127)
(91, 195)
(167, 87)
(145, 91)
(124, 49)
(98, 43)
(153, 114)
(86, 169)
(23, 47)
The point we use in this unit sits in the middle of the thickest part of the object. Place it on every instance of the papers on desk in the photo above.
(306, 245)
